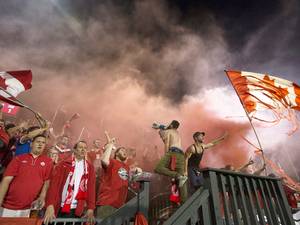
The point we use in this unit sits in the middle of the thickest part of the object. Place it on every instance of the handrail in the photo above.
(189, 210)
(229, 198)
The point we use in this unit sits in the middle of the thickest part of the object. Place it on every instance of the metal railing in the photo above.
(160, 208)
(231, 198)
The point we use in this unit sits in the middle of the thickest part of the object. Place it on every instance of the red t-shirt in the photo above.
(113, 184)
(29, 176)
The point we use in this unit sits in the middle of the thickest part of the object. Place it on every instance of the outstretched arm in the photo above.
(258, 172)
(215, 142)
(245, 166)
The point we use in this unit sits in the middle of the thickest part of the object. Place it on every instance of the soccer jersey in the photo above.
(29, 176)
(113, 184)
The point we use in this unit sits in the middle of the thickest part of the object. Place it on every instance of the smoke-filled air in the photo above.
(123, 65)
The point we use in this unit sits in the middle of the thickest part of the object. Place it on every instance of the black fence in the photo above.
(230, 198)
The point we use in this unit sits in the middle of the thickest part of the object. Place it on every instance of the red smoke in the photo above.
(127, 113)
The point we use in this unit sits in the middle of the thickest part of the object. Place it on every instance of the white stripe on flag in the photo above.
(14, 86)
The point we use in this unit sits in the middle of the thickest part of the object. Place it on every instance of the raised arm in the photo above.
(215, 142)
(107, 150)
(32, 134)
(245, 166)
(258, 172)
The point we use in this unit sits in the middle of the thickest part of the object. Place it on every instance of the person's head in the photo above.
(198, 136)
(97, 143)
(173, 125)
(229, 167)
(121, 154)
(38, 144)
(53, 154)
(80, 149)
(64, 140)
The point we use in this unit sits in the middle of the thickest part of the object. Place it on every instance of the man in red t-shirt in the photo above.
(26, 180)
(113, 181)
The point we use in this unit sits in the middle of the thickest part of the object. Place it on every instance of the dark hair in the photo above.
(174, 124)
(272, 175)
(9, 125)
(118, 149)
(196, 134)
(82, 141)
(37, 136)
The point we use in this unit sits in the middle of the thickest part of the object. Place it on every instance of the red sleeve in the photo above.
(13, 168)
(91, 202)
(54, 194)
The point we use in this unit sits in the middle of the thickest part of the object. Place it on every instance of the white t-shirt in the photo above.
(78, 172)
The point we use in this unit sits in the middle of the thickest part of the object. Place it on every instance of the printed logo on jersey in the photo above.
(123, 173)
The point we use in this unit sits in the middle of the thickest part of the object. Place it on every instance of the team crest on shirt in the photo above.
(24, 161)
(123, 173)
(43, 163)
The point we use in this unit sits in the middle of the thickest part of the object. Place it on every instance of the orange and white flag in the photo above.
(262, 91)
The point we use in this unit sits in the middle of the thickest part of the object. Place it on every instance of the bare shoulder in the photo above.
(191, 149)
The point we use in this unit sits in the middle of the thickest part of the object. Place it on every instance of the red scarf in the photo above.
(82, 190)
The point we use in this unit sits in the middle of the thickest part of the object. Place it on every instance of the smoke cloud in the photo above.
(125, 64)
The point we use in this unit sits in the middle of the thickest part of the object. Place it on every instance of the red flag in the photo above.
(10, 109)
(14, 82)
(140, 219)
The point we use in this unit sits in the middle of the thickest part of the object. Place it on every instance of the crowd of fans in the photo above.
(43, 171)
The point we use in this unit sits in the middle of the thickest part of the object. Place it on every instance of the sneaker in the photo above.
(182, 180)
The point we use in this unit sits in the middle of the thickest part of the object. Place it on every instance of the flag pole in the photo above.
(55, 114)
(80, 134)
(18, 102)
(250, 121)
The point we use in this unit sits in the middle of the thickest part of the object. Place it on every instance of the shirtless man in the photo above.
(172, 163)
(193, 156)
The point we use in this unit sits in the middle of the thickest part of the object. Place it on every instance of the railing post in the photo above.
(212, 183)
(287, 212)
(143, 198)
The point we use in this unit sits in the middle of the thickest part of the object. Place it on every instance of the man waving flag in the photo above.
(12, 83)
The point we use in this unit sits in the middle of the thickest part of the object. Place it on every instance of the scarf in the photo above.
(82, 190)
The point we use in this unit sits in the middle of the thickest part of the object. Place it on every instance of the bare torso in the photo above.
(171, 138)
